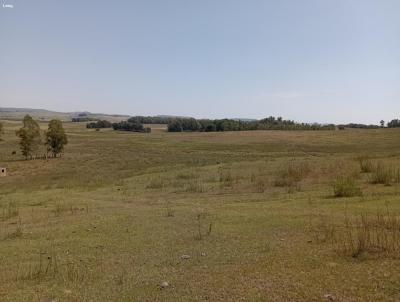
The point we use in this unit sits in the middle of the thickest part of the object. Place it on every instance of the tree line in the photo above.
(180, 124)
(30, 137)
(269, 123)
(153, 119)
(132, 124)
(358, 126)
(394, 123)
(99, 125)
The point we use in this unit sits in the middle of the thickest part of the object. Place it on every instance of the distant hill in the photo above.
(9, 113)
(45, 115)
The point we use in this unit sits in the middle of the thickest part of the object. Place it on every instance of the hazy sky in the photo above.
(308, 60)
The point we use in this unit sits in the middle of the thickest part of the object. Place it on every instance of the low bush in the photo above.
(366, 164)
(225, 178)
(291, 176)
(10, 210)
(204, 225)
(346, 187)
(361, 235)
(381, 174)
(194, 186)
(156, 183)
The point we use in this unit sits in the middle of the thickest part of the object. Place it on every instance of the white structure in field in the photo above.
(3, 172)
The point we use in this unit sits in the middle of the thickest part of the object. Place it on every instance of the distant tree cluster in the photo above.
(153, 119)
(393, 123)
(99, 125)
(205, 125)
(30, 137)
(132, 124)
(270, 123)
(184, 124)
(358, 126)
(81, 119)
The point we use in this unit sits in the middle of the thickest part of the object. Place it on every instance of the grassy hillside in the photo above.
(46, 115)
(232, 216)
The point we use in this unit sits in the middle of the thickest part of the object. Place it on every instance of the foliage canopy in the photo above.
(56, 138)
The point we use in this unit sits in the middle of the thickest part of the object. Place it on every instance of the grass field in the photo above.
(233, 216)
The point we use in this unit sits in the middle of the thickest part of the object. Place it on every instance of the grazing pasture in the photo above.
(231, 216)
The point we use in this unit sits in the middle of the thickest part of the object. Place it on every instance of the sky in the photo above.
(310, 60)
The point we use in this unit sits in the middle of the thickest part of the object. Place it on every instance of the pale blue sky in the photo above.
(308, 60)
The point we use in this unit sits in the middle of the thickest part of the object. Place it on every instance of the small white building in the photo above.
(3, 172)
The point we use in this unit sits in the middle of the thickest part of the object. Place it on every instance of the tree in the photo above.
(382, 123)
(175, 125)
(56, 138)
(129, 125)
(99, 124)
(189, 124)
(394, 123)
(29, 136)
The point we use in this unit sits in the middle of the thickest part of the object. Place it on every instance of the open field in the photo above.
(252, 213)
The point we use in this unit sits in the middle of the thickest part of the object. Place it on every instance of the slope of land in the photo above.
(45, 115)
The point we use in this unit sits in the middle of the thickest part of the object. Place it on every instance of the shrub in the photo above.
(292, 175)
(366, 164)
(186, 175)
(204, 225)
(364, 234)
(17, 233)
(260, 186)
(61, 208)
(225, 178)
(169, 212)
(194, 186)
(381, 175)
(346, 187)
(397, 175)
(156, 183)
(11, 210)
(378, 233)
